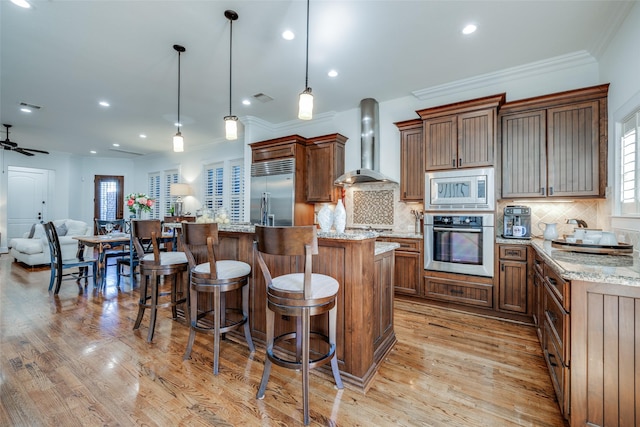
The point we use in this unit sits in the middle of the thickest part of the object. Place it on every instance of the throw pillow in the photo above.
(33, 230)
(39, 233)
(61, 230)
(75, 228)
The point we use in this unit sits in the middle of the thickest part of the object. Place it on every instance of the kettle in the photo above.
(550, 230)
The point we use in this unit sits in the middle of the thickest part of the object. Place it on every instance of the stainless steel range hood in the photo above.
(369, 146)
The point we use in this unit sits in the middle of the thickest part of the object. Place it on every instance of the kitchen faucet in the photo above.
(579, 222)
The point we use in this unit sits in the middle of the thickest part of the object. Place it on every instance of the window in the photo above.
(170, 177)
(154, 193)
(629, 165)
(224, 187)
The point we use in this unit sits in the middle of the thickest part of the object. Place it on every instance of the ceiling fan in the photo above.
(13, 146)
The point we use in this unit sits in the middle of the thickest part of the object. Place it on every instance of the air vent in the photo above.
(25, 104)
(119, 150)
(262, 97)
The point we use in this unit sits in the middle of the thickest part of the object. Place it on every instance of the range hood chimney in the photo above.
(369, 148)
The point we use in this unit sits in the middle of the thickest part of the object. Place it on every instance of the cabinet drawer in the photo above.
(476, 294)
(558, 286)
(515, 252)
(558, 372)
(557, 321)
(408, 245)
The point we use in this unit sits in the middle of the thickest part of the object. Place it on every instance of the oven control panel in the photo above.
(458, 221)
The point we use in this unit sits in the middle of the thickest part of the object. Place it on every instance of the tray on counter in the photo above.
(619, 249)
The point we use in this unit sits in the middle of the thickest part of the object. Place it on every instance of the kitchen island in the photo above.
(364, 270)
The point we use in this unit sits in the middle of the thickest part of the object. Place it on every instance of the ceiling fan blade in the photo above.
(9, 143)
(21, 151)
(34, 150)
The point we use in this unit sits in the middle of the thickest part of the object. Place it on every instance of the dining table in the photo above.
(104, 242)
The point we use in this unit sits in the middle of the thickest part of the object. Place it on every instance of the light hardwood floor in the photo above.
(74, 360)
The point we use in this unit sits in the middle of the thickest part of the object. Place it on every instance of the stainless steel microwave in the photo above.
(460, 190)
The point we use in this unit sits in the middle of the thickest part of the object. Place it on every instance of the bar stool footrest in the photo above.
(313, 363)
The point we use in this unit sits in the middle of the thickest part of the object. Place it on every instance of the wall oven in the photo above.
(459, 243)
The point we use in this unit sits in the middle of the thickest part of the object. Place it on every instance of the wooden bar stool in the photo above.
(170, 266)
(300, 295)
(213, 277)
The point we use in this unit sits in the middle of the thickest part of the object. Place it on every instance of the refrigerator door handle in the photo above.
(264, 208)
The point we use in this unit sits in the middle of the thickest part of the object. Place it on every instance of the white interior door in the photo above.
(26, 199)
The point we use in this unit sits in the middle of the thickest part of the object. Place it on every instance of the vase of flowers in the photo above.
(139, 203)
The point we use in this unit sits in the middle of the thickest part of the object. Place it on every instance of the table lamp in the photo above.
(179, 190)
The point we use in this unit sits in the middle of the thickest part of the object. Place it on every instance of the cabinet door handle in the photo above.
(502, 267)
(460, 162)
(552, 362)
(456, 291)
(513, 253)
(542, 191)
(453, 163)
(551, 191)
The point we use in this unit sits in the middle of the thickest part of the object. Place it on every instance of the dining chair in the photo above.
(299, 295)
(59, 265)
(104, 227)
(154, 266)
(211, 277)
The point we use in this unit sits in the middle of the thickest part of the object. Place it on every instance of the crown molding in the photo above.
(550, 65)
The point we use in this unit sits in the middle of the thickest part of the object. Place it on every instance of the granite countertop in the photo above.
(347, 235)
(400, 235)
(382, 247)
(612, 269)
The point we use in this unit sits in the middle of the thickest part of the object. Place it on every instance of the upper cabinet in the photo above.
(325, 164)
(555, 145)
(461, 135)
(411, 160)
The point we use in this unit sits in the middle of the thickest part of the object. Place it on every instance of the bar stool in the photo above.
(154, 266)
(300, 295)
(213, 277)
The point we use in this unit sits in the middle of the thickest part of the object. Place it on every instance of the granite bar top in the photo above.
(383, 247)
(347, 235)
(612, 269)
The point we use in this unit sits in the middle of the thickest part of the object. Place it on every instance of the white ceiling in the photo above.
(65, 56)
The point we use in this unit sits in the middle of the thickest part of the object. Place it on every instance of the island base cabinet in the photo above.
(605, 355)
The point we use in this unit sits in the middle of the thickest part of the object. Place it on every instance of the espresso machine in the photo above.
(517, 222)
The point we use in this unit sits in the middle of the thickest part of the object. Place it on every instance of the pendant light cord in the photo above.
(306, 78)
(230, 59)
(178, 124)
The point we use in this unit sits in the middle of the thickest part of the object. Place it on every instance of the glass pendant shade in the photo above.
(305, 105)
(178, 143)
(231, 127)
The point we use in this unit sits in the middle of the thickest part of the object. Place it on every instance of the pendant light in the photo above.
(305, 103)
(230, 121)
(178, 141)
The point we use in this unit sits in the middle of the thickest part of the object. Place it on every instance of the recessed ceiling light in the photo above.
(104, 104)
(93, 152)
(142, 135)
(116, 144)
(332, 73)
(25, 110)
(21, 3)
(469, 29)
(288, 35)
(246, 102)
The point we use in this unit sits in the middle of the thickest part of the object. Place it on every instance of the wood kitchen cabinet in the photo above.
(555, 145)
(411, 160)
(383, 279)
(461, 135)
(513, 289)
(325, 163)
(408, 265)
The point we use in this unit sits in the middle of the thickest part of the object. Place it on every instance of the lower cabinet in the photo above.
(513, 289)
(383, 297)
(408, 265)
(467, 290)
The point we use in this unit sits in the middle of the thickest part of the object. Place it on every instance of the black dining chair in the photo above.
(59, 265)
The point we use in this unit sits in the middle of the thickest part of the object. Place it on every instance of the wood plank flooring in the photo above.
(74, 360)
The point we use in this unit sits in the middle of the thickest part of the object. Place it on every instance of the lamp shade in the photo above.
(305, 105)
(178, 143)
(231, 127)
(179, 190)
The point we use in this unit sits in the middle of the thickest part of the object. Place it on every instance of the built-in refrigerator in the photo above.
(273, 192)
